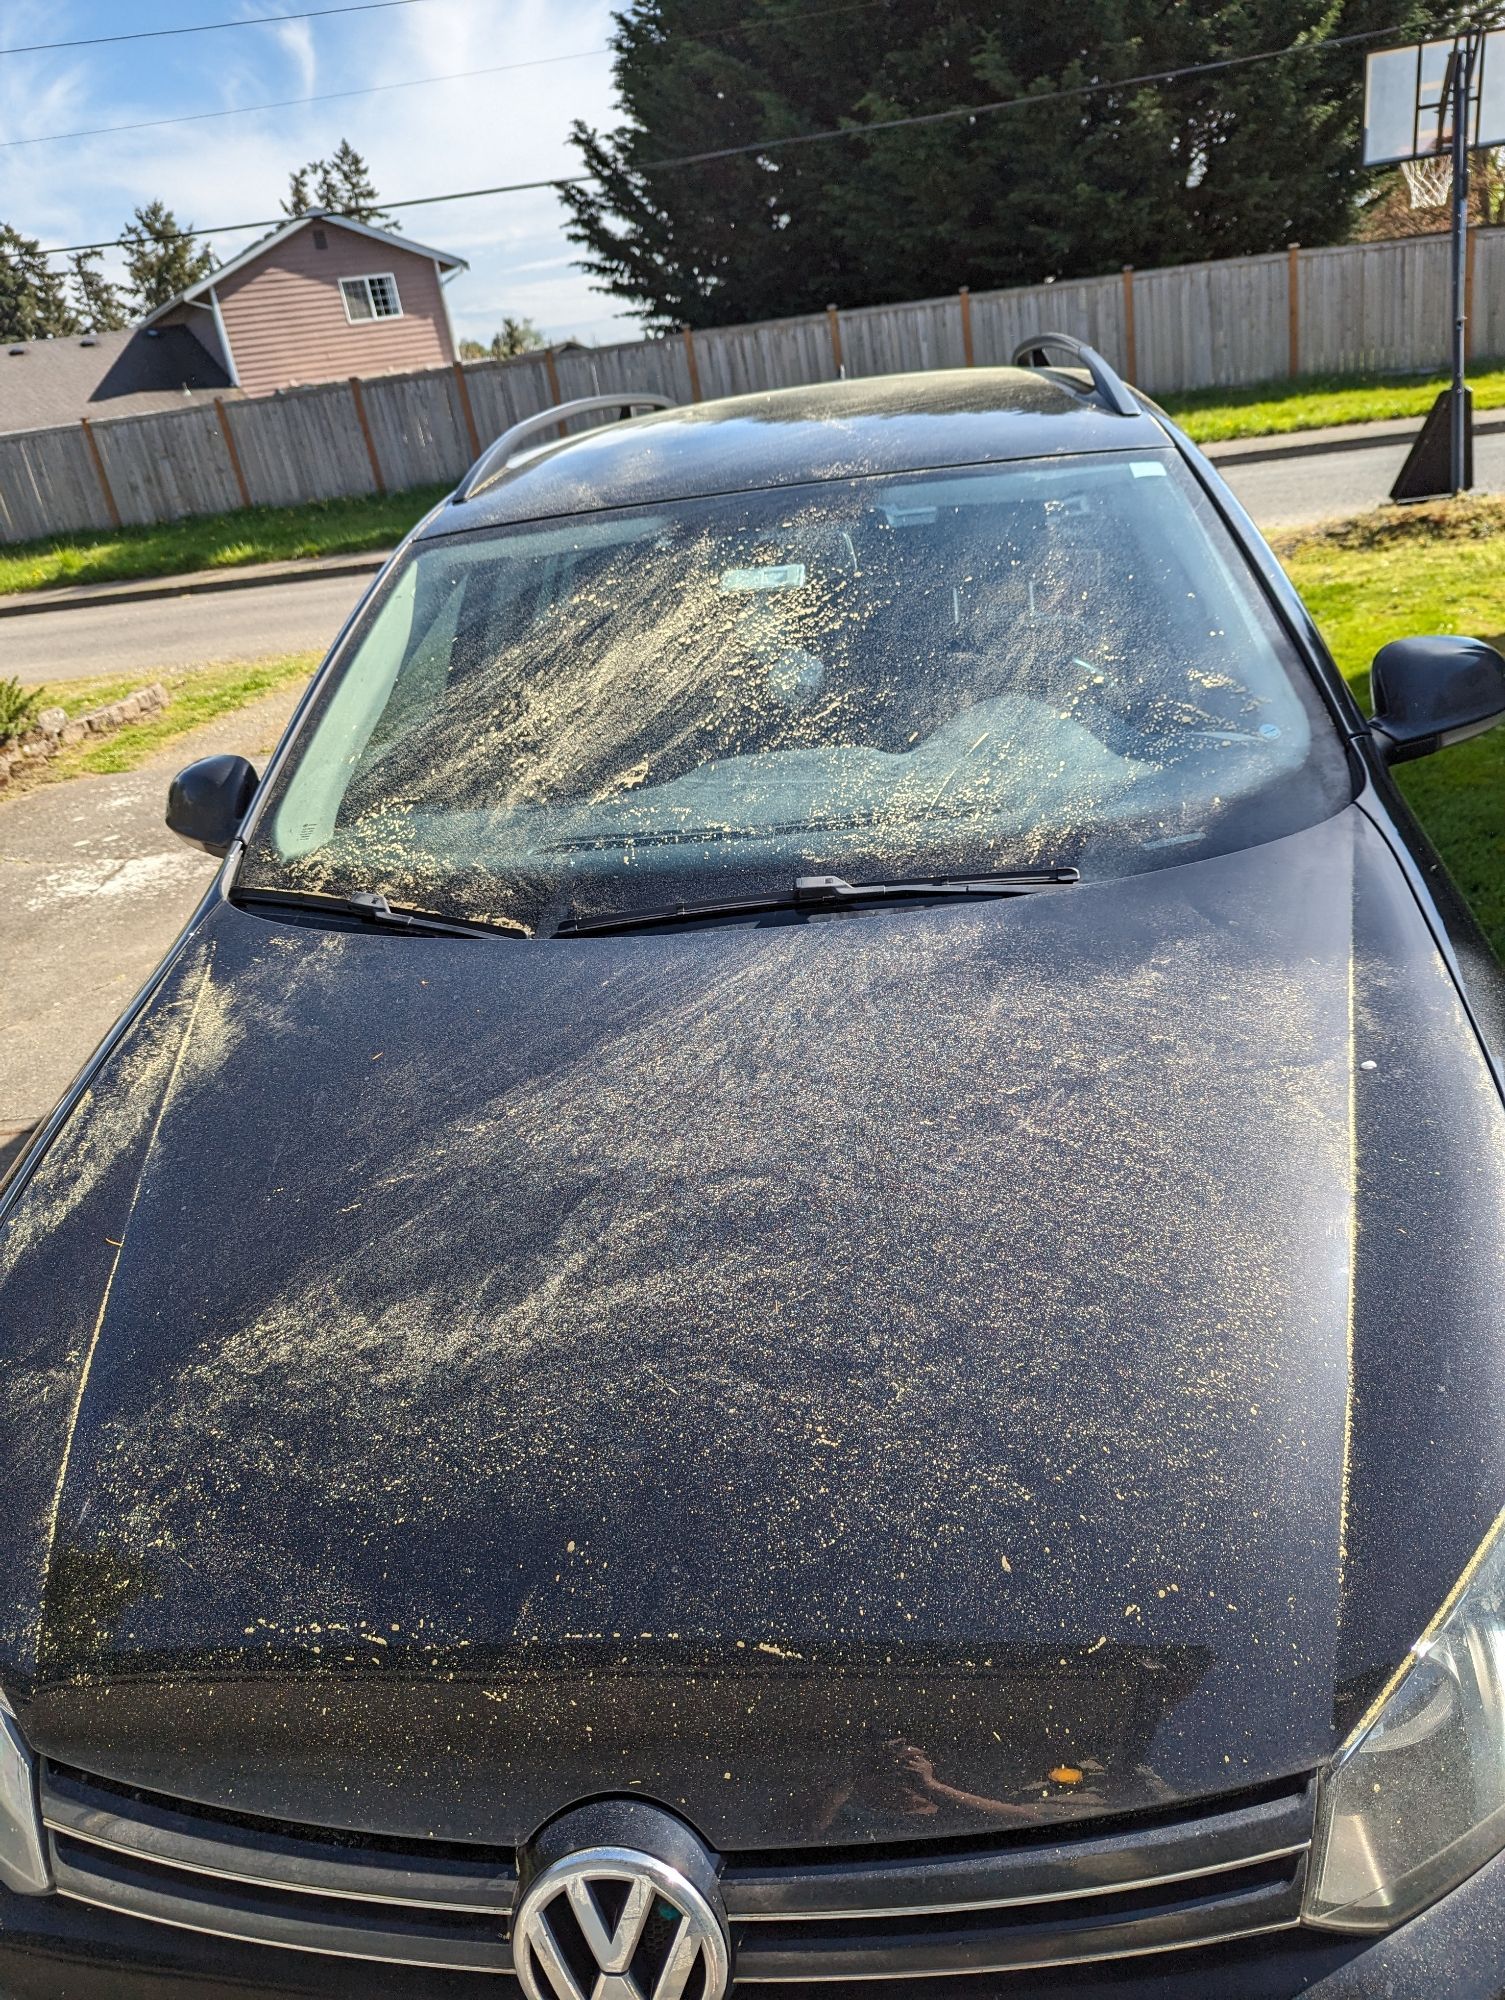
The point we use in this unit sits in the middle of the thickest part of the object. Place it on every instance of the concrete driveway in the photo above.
(93, 889)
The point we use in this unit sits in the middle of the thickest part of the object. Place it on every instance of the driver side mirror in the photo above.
(1434, 691)
(207, 801)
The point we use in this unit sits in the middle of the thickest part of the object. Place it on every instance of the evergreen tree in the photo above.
(1241, 159)
(340, 185)
(100, 306)
(160, 258)
(516, 336)
(33, 302)
(300, 195)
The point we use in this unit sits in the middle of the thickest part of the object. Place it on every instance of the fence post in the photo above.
(1131, 346)
(232, 452)
(965, 297)
(467, 412)
(833, 319)
(1293, 310)
(555, 395)
(99, 466)
(1472, 235)
(694, 364)
(360, 411)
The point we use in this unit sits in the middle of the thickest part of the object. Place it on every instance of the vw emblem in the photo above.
(612, 1923)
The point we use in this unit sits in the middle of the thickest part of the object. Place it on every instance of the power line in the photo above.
(408, 83)
(950, 115)
(209, 27)
(290, 103)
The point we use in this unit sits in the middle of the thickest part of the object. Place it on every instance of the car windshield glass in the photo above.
(1048, 662)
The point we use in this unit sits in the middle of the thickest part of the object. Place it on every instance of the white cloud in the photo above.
(482, 131)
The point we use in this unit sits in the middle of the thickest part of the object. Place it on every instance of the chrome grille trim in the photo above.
(149, 1832)
(949, 1908)
(1007, 1878)
(1147, 1885)
(745, 1978)
(373, 1933)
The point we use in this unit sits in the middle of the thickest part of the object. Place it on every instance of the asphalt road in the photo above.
(1293, 491)
(145, 634)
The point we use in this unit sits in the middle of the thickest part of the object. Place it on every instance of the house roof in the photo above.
(392, 237)
(46, 382)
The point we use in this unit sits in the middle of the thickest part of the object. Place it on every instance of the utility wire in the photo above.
(290, 103)
(209, 27)
(410, 83)
(950, 115)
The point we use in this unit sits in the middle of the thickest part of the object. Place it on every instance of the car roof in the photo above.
(789, 437)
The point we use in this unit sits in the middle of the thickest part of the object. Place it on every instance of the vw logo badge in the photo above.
(613, 1923)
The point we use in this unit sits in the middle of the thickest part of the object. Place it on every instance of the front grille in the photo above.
(1148, 1884)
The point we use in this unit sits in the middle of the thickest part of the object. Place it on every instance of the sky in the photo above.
(509, 126)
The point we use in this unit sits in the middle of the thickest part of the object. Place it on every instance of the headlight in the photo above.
(1416, 1799)
(23, 1858)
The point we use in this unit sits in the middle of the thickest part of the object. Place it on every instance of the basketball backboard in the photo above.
(1408, 110)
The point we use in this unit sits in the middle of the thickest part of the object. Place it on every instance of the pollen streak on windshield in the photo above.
(1052, 661)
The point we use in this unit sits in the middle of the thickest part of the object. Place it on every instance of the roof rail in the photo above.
(1109, 384)
(495, 459)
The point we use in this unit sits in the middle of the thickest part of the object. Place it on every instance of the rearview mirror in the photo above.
(1434, 691)
(207, 801)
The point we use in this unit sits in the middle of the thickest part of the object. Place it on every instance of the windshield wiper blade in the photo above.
(815, 892)
(373, 908)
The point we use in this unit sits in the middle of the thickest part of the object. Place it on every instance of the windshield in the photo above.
(1050, 662)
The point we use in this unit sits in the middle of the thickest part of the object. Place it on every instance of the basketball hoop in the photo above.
(1429, 181)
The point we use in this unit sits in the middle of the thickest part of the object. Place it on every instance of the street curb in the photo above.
(1301, 444)
(202, 584)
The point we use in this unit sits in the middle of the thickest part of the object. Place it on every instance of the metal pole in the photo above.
(1462, 71)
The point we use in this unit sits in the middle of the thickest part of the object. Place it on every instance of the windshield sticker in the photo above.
(1147, 468)
(771, 576)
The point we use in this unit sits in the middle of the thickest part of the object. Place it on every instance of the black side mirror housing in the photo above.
(1430, 692)
(207, 801)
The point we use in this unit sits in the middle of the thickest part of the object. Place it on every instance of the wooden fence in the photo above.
(1354, 307)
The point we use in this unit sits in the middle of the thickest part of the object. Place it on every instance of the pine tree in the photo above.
(300, 197)
(160, 258)
(340, 185)
(100, 306)
(33, 302)
(1240, 159)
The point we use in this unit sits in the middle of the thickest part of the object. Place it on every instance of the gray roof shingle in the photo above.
(46, 382)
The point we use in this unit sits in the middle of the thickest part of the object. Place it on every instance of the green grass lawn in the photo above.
(217, 541)
(1436, 568)
(1267, 409)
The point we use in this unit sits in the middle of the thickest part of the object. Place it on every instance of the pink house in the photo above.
(320, 298)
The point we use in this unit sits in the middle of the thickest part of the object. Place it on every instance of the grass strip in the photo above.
(195, 696)
(217, 541)
(1312, 402)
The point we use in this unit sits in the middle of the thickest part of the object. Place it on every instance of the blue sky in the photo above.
(509, 126)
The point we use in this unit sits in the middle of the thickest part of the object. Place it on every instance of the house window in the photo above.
(371, 298)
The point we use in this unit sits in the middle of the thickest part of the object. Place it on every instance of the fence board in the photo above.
(167, 464)
(1362, 307)
(48, 485)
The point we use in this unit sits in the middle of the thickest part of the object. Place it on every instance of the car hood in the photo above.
(866, 1378)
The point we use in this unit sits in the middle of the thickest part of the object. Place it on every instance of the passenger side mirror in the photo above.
(207, 801)
(1434, 691)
